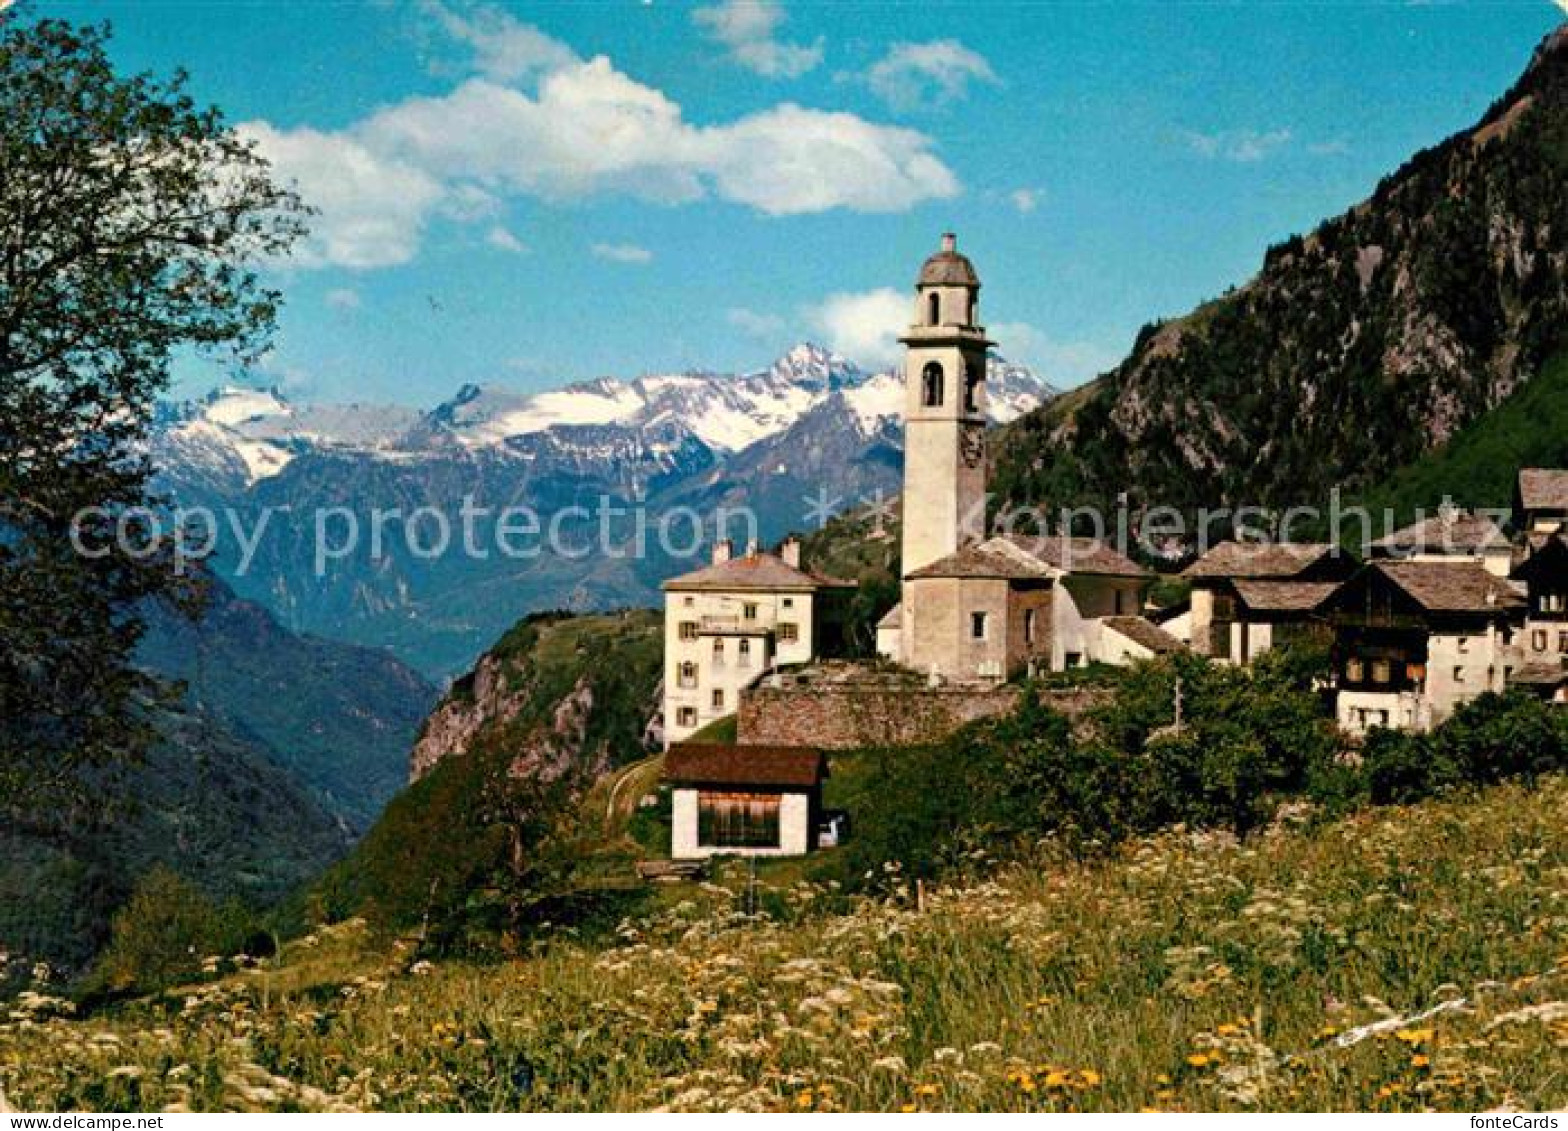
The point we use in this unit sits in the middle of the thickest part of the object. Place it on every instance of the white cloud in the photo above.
(504, 48)
(747, 28)
(1243, 146)
(587, 129)
(501, 238)
(343, 298)
(1061, 362)
(1026, 200)
(373, 208)
(911, 75)
(622, 253)
(755, 324)
(863, 325)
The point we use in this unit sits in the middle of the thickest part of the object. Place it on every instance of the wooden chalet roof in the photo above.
(1283, 596)
(1258, 559)
(695, 763)
(1070, 555)
(762, 572)
(1451, 587)
(1453, 532)
(1543, 489)
(1140, 631)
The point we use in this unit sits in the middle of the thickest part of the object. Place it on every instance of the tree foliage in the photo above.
(132, 226)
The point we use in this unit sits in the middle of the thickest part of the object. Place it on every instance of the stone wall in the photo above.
(841, 718)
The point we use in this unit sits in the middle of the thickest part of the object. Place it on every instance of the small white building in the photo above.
(730, 623)
(743, 800)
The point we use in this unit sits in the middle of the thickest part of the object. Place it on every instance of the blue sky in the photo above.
(526, 194)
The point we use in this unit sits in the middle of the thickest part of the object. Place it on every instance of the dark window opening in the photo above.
(934, 307)
(931, 385)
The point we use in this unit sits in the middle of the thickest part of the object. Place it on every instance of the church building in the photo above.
(976, 608)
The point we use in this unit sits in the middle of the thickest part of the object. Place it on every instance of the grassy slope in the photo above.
(1186, 972)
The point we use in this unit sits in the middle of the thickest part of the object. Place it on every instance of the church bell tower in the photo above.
(944, 411)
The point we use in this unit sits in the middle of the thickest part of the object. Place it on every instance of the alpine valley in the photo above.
(810, 434)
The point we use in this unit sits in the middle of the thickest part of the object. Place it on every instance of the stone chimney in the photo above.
(790, 551)
(949, 241)
(723, 550)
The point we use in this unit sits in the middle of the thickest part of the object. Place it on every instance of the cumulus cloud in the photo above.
(911, 75)
(583, 128)
(754, 323)
(622, 253)
(502, 239)
(1243, 146)
(747, 29)
(373, 207)
(343, 298)
(863, 325)
(503, 47)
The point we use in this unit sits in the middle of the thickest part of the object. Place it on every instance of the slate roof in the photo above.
(1452, 587)
(978, 562)
(1456, 532)
(1257, 559)
(1072, 555)
(755, 571)
(1140, 631)
(1543, 489)
(694, 763)
(1284, 596)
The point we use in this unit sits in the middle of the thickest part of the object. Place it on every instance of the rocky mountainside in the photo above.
(493, 829)
(811, 423)
(1355, 349)
(565, 694)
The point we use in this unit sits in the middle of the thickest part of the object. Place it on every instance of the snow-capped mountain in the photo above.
(810, 423)
(247, 435)
(238, 435)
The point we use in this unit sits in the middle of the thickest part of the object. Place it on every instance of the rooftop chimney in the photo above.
(949, 241)
(751, 548)
(722, 551)
(790, 551)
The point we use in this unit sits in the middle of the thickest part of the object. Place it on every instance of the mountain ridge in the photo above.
(1352, 352)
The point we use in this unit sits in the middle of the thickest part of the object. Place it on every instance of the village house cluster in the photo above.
(1436, 614)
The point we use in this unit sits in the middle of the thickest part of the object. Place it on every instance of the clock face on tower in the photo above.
(971, 444)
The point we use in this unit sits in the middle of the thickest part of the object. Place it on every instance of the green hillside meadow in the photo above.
(1402, 958)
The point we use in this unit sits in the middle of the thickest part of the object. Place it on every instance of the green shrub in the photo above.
(165, 933)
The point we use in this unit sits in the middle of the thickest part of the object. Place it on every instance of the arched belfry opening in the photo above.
(934, 309)
(973, 375)
(931, 385)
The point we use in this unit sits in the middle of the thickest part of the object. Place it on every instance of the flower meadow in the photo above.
(1402, 958)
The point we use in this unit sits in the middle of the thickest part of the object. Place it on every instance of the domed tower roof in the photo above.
(947, 268)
